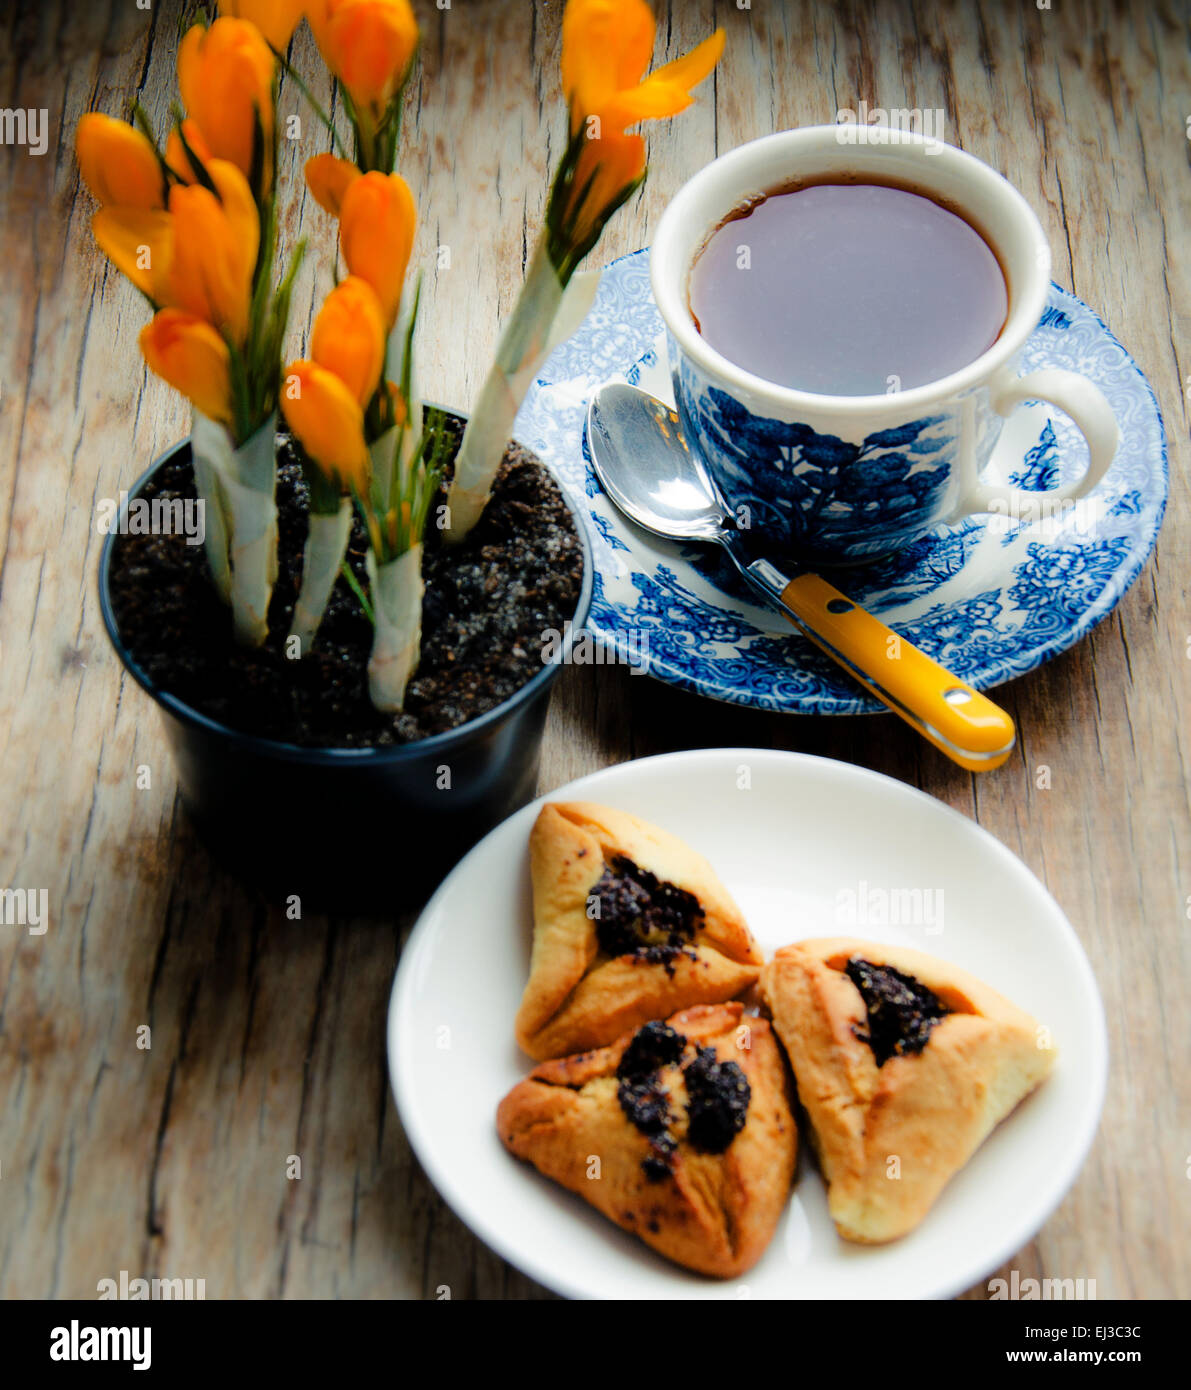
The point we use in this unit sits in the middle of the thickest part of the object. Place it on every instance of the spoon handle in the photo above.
(959, 721)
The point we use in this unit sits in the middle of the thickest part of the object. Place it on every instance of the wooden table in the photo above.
(266, 1036)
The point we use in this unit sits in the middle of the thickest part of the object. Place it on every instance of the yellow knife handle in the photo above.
(958, 720)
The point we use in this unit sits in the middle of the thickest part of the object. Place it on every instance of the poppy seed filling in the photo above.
(901, 1010)
(718, 1095)
(638, 914)
(653, 1046)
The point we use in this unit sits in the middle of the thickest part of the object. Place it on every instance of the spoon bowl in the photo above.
(646, 467)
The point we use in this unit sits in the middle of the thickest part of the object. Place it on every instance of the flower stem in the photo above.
(326, 543)
(216, 534)
(397, 605)
(246, 480)
(548, 310)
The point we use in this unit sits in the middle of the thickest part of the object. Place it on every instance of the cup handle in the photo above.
(1073, 394)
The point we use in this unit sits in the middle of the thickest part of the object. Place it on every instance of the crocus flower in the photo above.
(605, 169)
(189, 354)
(368, 45)
(325, 400)
(186, 228)
(225, 75)
(139, 242)
(176, 156)
(376, 232)
(276, 19)
(215, 246)
(349, 337)
(329, 422)
(606, 47)
(328, 177)
(119, 164)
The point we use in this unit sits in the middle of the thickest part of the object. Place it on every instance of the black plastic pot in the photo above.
(364, 830)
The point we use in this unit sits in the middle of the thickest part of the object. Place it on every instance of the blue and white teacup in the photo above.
(847, 479)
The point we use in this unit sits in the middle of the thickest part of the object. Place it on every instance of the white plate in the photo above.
(791, 835)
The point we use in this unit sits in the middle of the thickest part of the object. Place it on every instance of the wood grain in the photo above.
(267, 1035)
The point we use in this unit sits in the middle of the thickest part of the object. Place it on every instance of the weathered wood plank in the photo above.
(267, 1036)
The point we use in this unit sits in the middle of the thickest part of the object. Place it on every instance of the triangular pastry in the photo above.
(630, 924)
(904, 1065)
(681, 1133)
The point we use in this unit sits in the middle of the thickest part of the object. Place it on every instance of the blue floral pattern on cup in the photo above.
(992, 598)
(819, 496)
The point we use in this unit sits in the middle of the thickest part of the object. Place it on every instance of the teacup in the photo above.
(839, 479)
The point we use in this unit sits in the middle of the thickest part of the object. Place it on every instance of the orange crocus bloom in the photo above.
(368, 45)
(140, 244)
(329, 422)
(606, 47)
(225, 75)
(189, 354)
(349, 337)
(215, 246)
(612, 163)
(276, 19)
(175, 152)
(328, 177)
(376, 233)
(118, 163)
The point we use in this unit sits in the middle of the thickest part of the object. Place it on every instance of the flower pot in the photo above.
(351, 829)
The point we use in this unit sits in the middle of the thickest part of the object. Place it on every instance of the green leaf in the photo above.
(350, 575)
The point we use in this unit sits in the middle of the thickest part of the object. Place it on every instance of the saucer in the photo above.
(990, 598)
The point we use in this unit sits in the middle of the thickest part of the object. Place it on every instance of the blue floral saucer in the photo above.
(990, 598)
